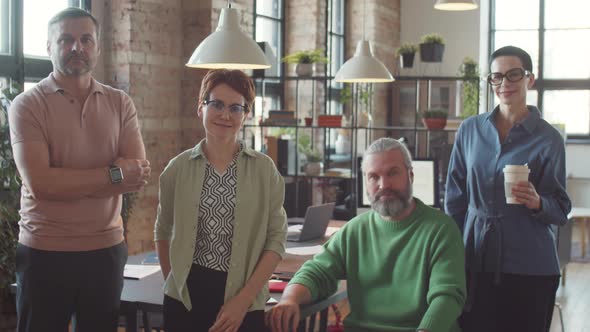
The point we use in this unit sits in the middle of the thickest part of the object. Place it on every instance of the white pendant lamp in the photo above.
(455, 5)
(228, 47)
(363, 67)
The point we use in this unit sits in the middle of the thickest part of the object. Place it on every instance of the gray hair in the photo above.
(385, 144)
(73, 12)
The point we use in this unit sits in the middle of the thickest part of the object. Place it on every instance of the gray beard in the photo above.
(68, 71)
(392, 207)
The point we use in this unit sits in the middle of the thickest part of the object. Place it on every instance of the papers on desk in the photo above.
(137, 272)
(305, 251)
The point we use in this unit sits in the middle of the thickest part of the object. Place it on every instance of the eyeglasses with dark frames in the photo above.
(513, 75)
(218, 106)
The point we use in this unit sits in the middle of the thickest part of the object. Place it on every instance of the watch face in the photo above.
(116, 175)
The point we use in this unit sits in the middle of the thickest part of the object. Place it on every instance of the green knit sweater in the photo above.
(401, 275)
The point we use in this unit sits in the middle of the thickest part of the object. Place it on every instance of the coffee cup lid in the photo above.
(516, 168)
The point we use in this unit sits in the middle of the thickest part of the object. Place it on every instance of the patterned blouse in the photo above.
(216, 218)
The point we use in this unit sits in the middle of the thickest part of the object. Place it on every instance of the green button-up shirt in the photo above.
(260, 220)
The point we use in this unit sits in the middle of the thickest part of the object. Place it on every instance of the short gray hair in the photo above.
(385, 144)
(73, 12)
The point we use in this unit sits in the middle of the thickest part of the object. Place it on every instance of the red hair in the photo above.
(236, 79)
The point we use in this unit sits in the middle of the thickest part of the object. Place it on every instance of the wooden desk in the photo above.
(141, 297)
(582, 216)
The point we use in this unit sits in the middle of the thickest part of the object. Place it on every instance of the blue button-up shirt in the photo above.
(500, 237)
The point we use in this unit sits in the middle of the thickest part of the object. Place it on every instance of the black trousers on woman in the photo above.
(520, 303)
(206, 288)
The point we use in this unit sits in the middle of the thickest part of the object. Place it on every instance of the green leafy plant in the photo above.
(407, 48)
(313, 156)
(282, 132)
(435, 114)
(469, 71)
(365, 95)
(305, 146)
(9, 193)
(433, 38)
(345, 95)
(307, 56)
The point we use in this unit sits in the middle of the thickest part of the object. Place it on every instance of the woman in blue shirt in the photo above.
(511, 258)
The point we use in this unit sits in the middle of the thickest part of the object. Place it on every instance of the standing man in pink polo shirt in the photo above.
(78, 147)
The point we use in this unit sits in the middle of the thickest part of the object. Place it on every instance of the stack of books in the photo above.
(280, 118)
(283, 153)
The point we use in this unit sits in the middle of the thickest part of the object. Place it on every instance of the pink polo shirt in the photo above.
(79, 137)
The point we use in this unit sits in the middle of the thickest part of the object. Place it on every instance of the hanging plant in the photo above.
(432, 48)
(469, 71)
(406, 53)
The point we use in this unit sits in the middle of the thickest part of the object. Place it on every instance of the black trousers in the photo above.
(206, 289)
(53, 286)
(520, 303)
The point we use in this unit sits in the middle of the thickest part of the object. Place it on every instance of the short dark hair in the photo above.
(236, 79)
(73, 12)
(518, 52)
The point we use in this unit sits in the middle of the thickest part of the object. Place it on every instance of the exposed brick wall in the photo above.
(142, 55)
(305, 27)
(146, 45)
(382, 29)
(147, 42)
(197, 24)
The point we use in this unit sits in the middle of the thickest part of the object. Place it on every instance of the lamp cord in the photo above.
(364, 16)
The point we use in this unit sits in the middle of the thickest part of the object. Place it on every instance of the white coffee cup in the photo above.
(512, 175)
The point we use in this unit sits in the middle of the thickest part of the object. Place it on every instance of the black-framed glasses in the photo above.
(218, 106)
(513, 75)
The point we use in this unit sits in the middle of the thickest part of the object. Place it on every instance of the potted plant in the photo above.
(304, 60)
(435, 118)
(313, 158)
(432, 48)
(406, 53)
(469, 71)
(313, 164)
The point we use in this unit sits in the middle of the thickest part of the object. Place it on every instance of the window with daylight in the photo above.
(556, 34)
(23, 37)
(269, 32)
(335, 35)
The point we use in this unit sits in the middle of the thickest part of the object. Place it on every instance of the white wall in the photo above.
(460, 30)
(577, 159)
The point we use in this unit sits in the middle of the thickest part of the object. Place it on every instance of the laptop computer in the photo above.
(313, 226)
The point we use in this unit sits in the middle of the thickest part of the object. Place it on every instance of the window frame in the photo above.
(334, 88)
(272, 87)
(541, 84)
